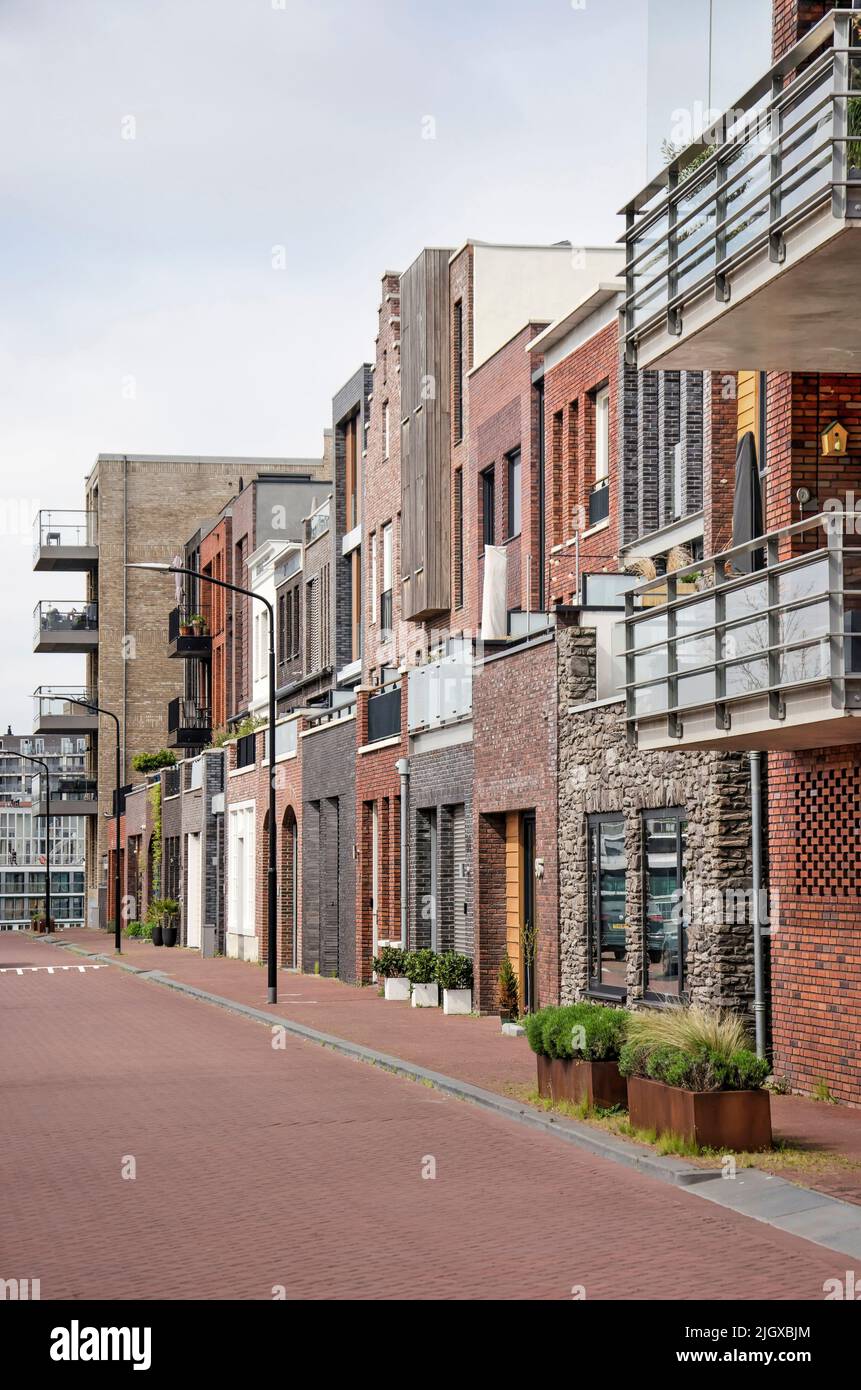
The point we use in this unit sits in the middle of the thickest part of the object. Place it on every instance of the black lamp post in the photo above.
(47, 771)
(272, 909)
(97, 709)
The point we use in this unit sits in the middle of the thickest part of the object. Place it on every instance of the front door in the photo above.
(530, 922)
(193, 896)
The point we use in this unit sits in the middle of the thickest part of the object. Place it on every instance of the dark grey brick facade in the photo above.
(328, 849)
(439, 780)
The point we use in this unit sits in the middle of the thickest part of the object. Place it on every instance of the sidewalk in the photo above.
(467, 1048)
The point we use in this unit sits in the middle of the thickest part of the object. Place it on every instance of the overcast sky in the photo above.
(158, 154)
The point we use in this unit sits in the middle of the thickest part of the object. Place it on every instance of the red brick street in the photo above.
(257, 1167)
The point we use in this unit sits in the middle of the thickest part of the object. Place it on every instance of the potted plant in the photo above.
(509, 1004)
(197, 624)
(454, 977)
(153, 921)
(577, 1048)
(391, 966)
(185, 626)
(169, 909)
(421, 973)
(691, 1073)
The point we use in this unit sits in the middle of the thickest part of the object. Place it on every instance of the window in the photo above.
(664, 836)
(386, 430)
(296, 625)
(488, 507)
(372, 587)
(352, 480)
(386, 610)
(607, 950)
(599, 498)
(312, 626)
(458, 538)
(356, 604)
(514, 498)
(457, 373)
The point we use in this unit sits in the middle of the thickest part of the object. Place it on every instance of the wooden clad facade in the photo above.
(425, 437)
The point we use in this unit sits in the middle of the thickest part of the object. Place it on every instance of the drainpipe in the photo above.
(403, 768)
(755, 760)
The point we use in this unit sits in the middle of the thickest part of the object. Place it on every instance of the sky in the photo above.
(199, 198)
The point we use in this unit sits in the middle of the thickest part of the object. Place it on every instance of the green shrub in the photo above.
(391, 963)
(453, 971)
(595, 1032)
(421, 967)
(151, 762)
(703, 1069)
(507, 992)
(146, 930)
(134, 929)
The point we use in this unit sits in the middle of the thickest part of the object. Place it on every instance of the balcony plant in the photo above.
(391, 966)
(691, 1073)
(507, 992)
(152, 762)
(185, 626)
(577, 1047)
(198, 624)
(454, 977)
(421, 973)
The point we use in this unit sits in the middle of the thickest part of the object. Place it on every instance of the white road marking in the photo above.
(51, 969)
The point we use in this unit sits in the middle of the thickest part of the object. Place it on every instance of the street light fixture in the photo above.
(272, 910)
(47, 771)
(97, 709)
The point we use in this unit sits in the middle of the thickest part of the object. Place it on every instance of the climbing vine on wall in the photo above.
(155, 803)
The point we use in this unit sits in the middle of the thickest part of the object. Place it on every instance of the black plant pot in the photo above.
(156, 935)
(168, 936)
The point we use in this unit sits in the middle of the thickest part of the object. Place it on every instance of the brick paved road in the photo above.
(258, 1167)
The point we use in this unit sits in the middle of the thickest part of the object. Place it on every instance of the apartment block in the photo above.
(23, 848)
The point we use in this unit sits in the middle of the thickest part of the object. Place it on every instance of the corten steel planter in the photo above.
(598, 1083)
(738, 1120)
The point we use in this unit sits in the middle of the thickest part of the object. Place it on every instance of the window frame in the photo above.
(488, 514)
(514, 500)
(680, 815)
(596, 988)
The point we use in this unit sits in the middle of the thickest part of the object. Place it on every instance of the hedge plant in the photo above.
(453, 971)
(592, 1032)
(421, 967)
(704, 1069)
(391, 963)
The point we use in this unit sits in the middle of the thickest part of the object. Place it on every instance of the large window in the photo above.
(488, 507)
(607, 876)
(599, 498)
(664, 835)
(386, 611)
(514, 499)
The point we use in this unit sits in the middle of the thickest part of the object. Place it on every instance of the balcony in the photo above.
(189, 725)
(384, 714)
(70, 796)
(65, 626)
(55, 711)
(440, 692)
(186, 638)
(743, 252)
(717, 658)
(65, 541)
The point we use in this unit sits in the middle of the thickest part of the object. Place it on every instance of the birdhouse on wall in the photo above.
(834, 440)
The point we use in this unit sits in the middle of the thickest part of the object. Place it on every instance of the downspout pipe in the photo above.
(755, 760)
(403, 769)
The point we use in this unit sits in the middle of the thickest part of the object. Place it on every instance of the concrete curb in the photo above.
(799, 1211)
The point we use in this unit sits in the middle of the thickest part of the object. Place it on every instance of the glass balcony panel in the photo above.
(651, 699)
(746, 640)
(745, 602)
(698, 233)
(697, 690)
(695, 616)
(797, 624)
(749, 167)
(652, 242)
(694, 651)
(650, 630)
(651, 666)
(805, 664)
(746, 677)
(802, 583)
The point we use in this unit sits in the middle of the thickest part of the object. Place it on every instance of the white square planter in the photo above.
(397, 987)
(457, 1001)
(426, 996)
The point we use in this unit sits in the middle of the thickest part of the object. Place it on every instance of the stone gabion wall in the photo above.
(600, 772)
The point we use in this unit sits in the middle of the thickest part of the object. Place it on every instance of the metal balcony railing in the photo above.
(54, 702)
(64, 616)
(184, 713)
(790, 147)
(316, 524)
(384, 713)
(58, 530)
(710, 639)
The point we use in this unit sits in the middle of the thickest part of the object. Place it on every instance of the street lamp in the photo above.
(47, 771)
(272, 930)
(97, 709)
